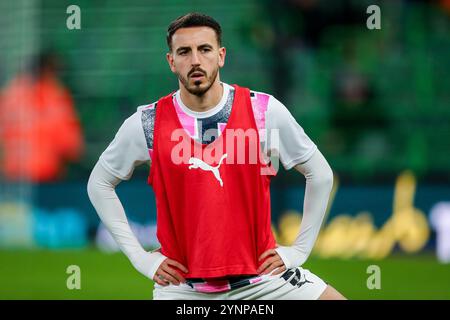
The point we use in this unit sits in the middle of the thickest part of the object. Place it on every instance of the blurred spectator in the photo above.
(39, 128)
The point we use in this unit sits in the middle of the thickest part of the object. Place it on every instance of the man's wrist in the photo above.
(291, 256)
(147, 263)
(157, 258)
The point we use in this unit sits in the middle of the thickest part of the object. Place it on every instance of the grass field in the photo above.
(42, 275)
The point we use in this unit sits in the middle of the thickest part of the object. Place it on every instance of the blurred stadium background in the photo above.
(376, 102)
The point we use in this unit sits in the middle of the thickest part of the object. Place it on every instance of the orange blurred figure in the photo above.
(39, 128)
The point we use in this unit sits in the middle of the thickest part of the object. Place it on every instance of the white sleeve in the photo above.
(127, 150)
(101, 192)
(293, 145)
(319, 182)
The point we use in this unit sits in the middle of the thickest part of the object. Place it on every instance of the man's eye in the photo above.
(206, 49)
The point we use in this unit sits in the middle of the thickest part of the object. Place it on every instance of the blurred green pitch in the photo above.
(42, 275)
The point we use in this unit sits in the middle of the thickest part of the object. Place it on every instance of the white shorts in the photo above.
(293, 284)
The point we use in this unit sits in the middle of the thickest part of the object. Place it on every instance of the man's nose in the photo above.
(195, 61)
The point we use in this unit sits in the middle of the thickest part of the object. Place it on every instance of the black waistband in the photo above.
(234, 281)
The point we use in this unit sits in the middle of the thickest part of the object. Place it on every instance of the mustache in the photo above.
(197, 70)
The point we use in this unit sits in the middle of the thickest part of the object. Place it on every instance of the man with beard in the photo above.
(210, 171)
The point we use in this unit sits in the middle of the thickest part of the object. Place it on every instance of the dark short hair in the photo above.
(193, 19)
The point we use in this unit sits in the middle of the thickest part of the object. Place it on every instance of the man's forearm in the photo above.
(319, 182)
(101, 191)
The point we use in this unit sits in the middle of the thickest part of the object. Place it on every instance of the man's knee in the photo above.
(331, 293)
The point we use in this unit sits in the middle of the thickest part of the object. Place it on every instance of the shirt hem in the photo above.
(222, 273)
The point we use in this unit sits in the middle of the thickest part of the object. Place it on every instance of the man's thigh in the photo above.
(293, 284)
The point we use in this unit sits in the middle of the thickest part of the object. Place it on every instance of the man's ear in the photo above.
(222, 54)
(169, 58)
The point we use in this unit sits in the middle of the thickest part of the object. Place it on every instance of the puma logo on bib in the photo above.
(196, 163)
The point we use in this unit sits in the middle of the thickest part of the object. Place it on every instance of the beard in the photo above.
(199, 87)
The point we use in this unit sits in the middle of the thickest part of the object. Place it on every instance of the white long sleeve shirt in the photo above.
(133, 143)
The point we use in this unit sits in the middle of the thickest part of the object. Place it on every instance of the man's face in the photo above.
(196, 58)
